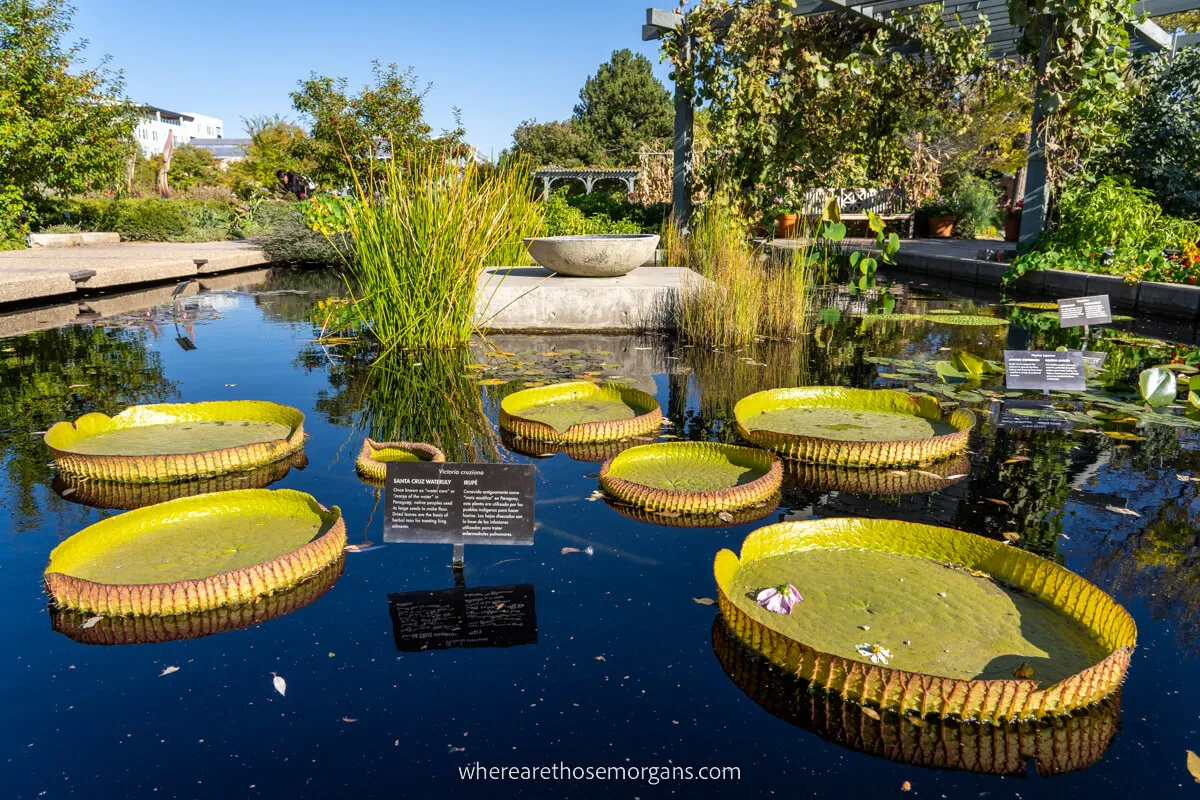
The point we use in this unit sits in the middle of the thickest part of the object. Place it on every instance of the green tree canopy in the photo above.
(275, 144)
(623, 109)
(349, 133)
(61, 127)
(558, 143)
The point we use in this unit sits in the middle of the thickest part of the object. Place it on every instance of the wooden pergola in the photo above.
(1003, 42)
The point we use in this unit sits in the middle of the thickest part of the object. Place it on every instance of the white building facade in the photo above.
(152, 128)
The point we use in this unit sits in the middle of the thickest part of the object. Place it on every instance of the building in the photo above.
(225, 151)
(152, 128)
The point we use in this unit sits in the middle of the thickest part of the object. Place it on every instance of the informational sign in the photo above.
(1093, 360)
(1031, 415)
(1076, 311)
(490, 616)
(458, 504)
(1045, 370)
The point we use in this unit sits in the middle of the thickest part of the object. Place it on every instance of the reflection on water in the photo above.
(1056, 746)
(617, 670)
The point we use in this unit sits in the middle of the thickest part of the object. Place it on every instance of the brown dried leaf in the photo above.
(703, 601)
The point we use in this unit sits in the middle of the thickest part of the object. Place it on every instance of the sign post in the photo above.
(1045, 370)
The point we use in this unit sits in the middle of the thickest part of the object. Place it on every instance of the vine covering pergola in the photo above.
(1004, 41)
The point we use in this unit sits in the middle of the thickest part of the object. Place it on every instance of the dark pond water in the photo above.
(625, 668)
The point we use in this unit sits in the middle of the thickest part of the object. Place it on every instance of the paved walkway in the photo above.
(44, 273)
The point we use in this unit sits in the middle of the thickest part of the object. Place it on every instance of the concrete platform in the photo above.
(535, 299)
(47, 273)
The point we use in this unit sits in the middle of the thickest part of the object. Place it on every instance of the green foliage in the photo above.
(1162, 151)
(1086, 75)
(420, 236)
(275, 144)
(801, 102)
(986, 129)
(564, 219)
(623, 109)
(13, 226)
(650, 219)
(976, 202)
(61, 127)
(192, 166)
(1157, 386)
(1108, 226)
(350, 132)
(151, 220)
(559, 144)
(290, 240)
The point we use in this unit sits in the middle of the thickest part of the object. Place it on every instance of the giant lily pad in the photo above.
(975, 629)
(580, 412)
(195, 553)
(852, 427)
(85, 628)
(1064, 744)
(887, 481)
(127, 496)
(692, 477)
(375, 456)
(176, 441)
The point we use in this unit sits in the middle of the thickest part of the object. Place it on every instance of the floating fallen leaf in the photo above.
(231, 384)
(91, 621)
(168, 671)
(1012, 536)
(596, 495)
(906, 787)
(601, 658)
(959, 476)
(349, 719)
(725, 516)
(362, 548)
(1129, 512)
(1122, 435)
(280, 684)
(703, 601)
(870, 712)
(997, 502)
(1018, 459)
(567, 550)
(1193, 765)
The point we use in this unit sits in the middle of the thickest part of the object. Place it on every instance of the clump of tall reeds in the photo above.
(751, 292)
(420, 233)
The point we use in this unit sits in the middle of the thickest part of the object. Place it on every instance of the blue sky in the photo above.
(500, 62)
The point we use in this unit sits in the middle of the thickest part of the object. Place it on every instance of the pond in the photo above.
(618, 658)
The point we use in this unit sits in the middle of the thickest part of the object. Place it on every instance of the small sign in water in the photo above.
(434, 503)
(490, 616)
(1076, 311)
(1031, 415)
(1045, 370)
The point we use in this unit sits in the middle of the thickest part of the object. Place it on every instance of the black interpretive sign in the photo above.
(1045, 370)
(490, 616)
(1093, 360)
(1031, 415)
(1076, 311)
(432, 503)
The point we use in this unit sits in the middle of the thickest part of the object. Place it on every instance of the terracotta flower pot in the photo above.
(1012, 227)
(787, 226)
(942, 227)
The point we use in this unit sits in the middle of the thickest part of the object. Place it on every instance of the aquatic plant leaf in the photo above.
(968, 363)
(1157, 386)
(835, 231)
(1193, 765)
(948, 373)
(692, 477)
(830, 315)
(831, 213)
(280, 684)
(704, 601)
(580, 412)
(168, 671)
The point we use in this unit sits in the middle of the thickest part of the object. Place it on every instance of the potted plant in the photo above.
(787, 221)
(942, 214)
(1012, 222)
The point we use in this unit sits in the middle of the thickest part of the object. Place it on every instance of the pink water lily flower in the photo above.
(779, 599)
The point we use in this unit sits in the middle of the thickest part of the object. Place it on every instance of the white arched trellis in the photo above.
(588, 177)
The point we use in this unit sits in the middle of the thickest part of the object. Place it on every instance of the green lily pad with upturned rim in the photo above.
(580, 412)
(176, 441)
(1087, 639)
(180, 627)
(885, 409)
(876, 482)
(374, 457)
(692, 477)
(195, 553)
(1065, 744)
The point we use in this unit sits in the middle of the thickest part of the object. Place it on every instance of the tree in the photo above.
(61, 128)
(557, 143)
(275, 144)
(1162, 124)
(350, 133)
(623, 109)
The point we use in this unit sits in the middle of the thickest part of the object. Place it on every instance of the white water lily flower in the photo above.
(876, 652)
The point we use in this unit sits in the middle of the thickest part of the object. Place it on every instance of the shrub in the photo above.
(288, 240)
(564, 219)
(650, 218)
(145, 220)
(976, 200)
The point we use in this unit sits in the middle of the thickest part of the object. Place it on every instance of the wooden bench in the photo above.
(891, 205)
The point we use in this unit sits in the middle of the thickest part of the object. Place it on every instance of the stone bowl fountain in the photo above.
(593, 256)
